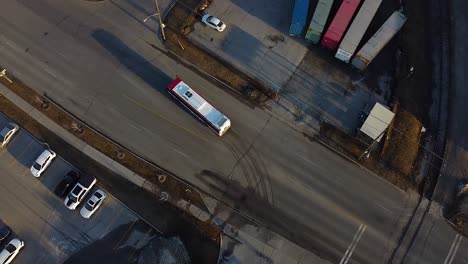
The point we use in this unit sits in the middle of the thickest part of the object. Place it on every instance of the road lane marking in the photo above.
(181, 153)
(37, 182)
(39, 260)
(126, 232)
(21, 154)
(24, 172)
(308, 161)
(143, 239)
(50, 72)
(112, 222)
(3, 151)
(163, 117)
(353, 244)
(61, 54)
(137, 128)
(453, 249)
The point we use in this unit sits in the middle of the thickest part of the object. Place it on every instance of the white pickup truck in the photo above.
(77, 194)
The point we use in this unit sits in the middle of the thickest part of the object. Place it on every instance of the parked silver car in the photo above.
(11, 250)
(93, 203)
(7, 133)
(42, 162)
(214, 22)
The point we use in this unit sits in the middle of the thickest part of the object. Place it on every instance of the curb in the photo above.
(356, 163)
(88, 150)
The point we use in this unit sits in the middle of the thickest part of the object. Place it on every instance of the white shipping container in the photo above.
(378, 41)
(357, 29)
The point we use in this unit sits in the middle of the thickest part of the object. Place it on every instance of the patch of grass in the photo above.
(402, 142)
(353, 148)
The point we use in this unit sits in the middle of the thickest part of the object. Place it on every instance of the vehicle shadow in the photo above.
(136, 64)
(127, 9)
(133, 61)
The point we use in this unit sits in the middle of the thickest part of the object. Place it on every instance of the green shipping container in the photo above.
(314, 32)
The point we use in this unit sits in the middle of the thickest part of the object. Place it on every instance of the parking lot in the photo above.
(255, 39)
(51, 232)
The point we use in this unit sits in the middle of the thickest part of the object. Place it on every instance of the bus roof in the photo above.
(198, 103)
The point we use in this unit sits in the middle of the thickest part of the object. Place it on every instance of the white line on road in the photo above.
(49, 71)
(308, 161)
(383, 207)
(137, 128)
(183, 154)
(353, 244)
(453, 249)
(61, 54)
(10, 45)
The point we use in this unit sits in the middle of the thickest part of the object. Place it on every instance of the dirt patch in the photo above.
(179, 22)
(151, 172)
(402, 143)
(354, 149)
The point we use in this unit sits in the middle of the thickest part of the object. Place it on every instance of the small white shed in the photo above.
(377, 122)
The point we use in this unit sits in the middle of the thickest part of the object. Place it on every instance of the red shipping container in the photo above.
(340, 22)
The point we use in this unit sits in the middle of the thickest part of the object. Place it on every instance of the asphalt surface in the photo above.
(457, 142)
(255, 40)
(94, 59)
(437, 241)
(51, 232)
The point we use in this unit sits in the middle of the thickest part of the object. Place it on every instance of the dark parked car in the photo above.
(4, 232)
(67, 183)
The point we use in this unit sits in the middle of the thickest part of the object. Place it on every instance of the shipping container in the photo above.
(299, 17)
(340, 22)
(319, 19)
(378, 41)
(357, 29)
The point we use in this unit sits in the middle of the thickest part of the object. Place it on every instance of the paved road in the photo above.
(94, 59)
(51, 232)
(435, 232)
(436, 242)
(457, 142)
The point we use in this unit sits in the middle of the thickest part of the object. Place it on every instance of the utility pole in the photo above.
(369, 149)
(3, 75)
(161, 25)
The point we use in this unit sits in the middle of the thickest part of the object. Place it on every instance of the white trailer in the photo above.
(357, 29)
(378, 41)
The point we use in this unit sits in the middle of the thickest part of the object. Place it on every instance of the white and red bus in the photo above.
(199, 106)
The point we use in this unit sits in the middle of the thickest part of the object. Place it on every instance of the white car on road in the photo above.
(11, 250)
(7, 133)
(93, 204)
(213, 22)
(42, 162)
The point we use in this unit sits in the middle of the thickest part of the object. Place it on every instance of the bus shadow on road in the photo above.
(137, 64)
(133, 61)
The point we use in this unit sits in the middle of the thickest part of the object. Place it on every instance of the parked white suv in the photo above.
(42, 162)
(82, 187)
(11, 250)
(7, 133)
